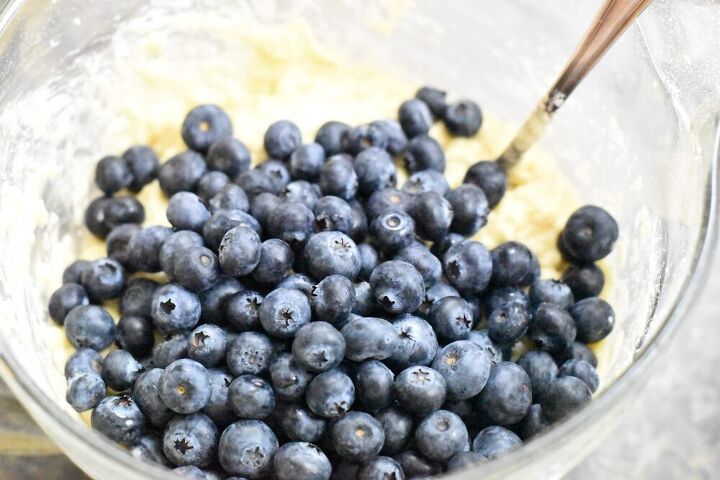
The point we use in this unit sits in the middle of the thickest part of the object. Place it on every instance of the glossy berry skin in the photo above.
(143, 164)
(507, 394)
(218, 407)
(73, 272)
(332, 299)
(541, 369)
(499, 297)
(360, 221)
(318, 347)
(137, 297)
(491, 178)
(289, 380)
(594, 319)
(241, 310)
(463, 118)
(551, 291)
(441, 435)
(508, 323)
(120, 370)
(441, 246)
(468, 266)
(190, 440)
(169, 349)
(386, 199)
(494, 442)
(186, 211)
(589, 235)
(185, 386)
(103, 279)
(301, 461)
(212, 300)
(577, 351)
(465, 367)
(420, 390)
(175, 243)
(330, 394)
(181, 173)
(211, 184)
(246, 449)
(337, 177)
(251, 397)
(148, 448)
(452, 318)
(552, 328)
(374, 385)
(398, 427)
(292, 223)
(533, 424)
(365, 303)
(470, 209)
(118, 418)
(434, 98)
(174, 309)
(482, 340)
(283, 312)
(112, 174)
(330, 135)
(417, 343)
(89, 326)
(64, 299)
(582, 370)
(196, 269)
(375, 170)
(276, 259)
(94, 217)
(281, 139)
(331, 253)
(306, 162)
(365, 136)
(299, 424)
(254, 182)
(83, 360)
(380, 468)
(398, 287)
(393, 230)
(222, 221)
(85, 391)
(369, 259)
(432, 214)
(229, 156)
(416, 466)
(369, 338)
(135, 334)
(144, 248)
(415, 118)
(230, 197)
(426, 181)
(564, 396)
(433, 294)
(207, 345)
(396, 138)
(333, 213)
(512, 263)
(249, 352)
(301, 191)
(262, 207)
(357, 437)
(584, 280)
(204, 125)
(424, 153)
(147, 396)
(427, 264)
(239, 251)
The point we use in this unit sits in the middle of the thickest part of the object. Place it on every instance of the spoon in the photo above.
(609, 23)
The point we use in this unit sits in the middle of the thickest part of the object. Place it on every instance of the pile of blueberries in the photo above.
(319, 322)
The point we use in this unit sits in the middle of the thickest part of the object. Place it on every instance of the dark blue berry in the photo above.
(415, 118)
(230, 197)
(369, 259)
(333, 213)
(468, 266)
(122, 209)
(181, 172)
(84, 360)
(300, 425)
(175, 243)
(508, 323)
(118, 241)
(229, 156)
(212, 300)
(85, 391)
(242, 310)
(363, 137)
(218, 407)
(103, 279)
(360, 221)
(465, 367)
(373, 386)
(256, 181)
(365, 303)
(148, 448)
(551, 291)
(507, 395)
(288, 378)
(499, 297)
(451, 317)
(396, 138)
(463, 118)
(332, 253)
(298, 281)
(357, 437)
(434, 98)
(417, 344)
(369, 338)
(338, 177)
(89, 326)
(64, 299)
(120, 370)
(174, 309)
(207, 345)
(135, 332)
(144, 248)
(301, 461)
(283, 312)
(398, 287)
(112, 174)
(332, 299)
(564, 396)
(211, 184)
(386, 199)
(424, 153)
(494, 442)
(420, 390)
(118, 418)
(584, 280)
(512, 262)
(470, 209)
(143, 164)
(263, 205)
(398, 427)
(594, 319)
(249, 352)
(589, 235)
(281, 139)
(552, 328)
(318, 347)
(380, 468)
(441, 435)
(306, 162)
(277, 171)
(416, 466)
(442, 245)
(222, 221)
(94, 217)
(204, 125)
(73, 272)
(251, 397)
(577, 351)
(541, 369)
(330, 136)
(433, 215)
(490, 177)
(582, 370)
(481, 338)
(186, 211)
(301, 191)
(424, 262)
(393, 230)
(171, 348)
(185, 386)
(293, 223)
(276, 259)
(534, 423)
(247, 448)
(426, 181)
(330, 394)
(435, 293)
(375, 170)
(190, 440)
(239, 251)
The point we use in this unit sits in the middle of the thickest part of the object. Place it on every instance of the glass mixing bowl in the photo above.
(638, 137)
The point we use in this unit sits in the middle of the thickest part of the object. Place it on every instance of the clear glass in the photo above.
(639, 136)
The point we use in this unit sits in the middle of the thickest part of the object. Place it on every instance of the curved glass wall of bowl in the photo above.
(620, 138)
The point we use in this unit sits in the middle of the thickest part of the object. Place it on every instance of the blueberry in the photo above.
(204, 125)
(148, 448)
(332, 253)
(249, 352)
(338, 177)
(112, 174)
(417, 344)
(451, 317)
(465, 367)
(508, 323)
(288, 378)
(534, 423)
(318, 347)
(177, 242)
(468, 266)
(380, 468)
(491, 178)
(193, 472)
(118, 418)
(89, 326)
(442, 245)
(85, 391)
(242, 310)
(196, 269)
(301, 461)
(120, 370)
(499, 297)
(582, 370)
(584, 280)
(300, 425)
(64, 299)
(292, 223)
(239, 251)
(212, 300)
(330, 136)
(256, 181)
(218, 407)
(118, 241)
(332, 299)
(181, 172)
(369, 259)
(330, 394)
(470, 209)
(541, 370)
(357, 436)
(511, 263)
(301, 191)
(369, 338)
(481, 338)
(416, 466)
(169, 349)
(494, 442)
(398, 287)
(281, 139)
(207, 345)
(103, 279)
(144, 248)
(577, 351)
(393, 230)
(185, 386)
(360, 221)
(415, 118)
(441, 435)
(143, 164)
(251, 397)
(396, 138)
(262, 207)
(433, 215)
(365, 303)
(420, 390)
(333, 213)
(424, 153)
(426, 181)
(564, 396)
(374, 385)
(211, 184)
(73, 272)
(122, 209)
(387, 199)
(398, 427)
(375, 170)
(551, 291)
(94, 217)
(363, 137)
(277, 171)
(276, 259)
(306, 162)
(229, 156)
(463, 118)
(434, 98)
(247, 448)
(552, 328)
(147, 396)
(84, 360)
(229, 197)
(464, 460)
(283, 312)
(433, 294)
(589, 235)
(190, 440)
(507, 395)
(594, 319)
(175, 309)
(223, 221)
